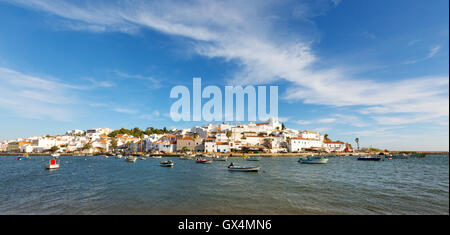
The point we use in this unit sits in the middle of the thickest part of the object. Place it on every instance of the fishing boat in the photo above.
(219, 158)
(253, 158)
(130, 159)
(118, 156)
(419, 155)
(398, 156)
(143, 158)
(313, 160)
(232, 167)
(56, 155)
(52, 165)
(369, 158)
(169, 163)
(204, 161)
(23, 157)
(154, 156)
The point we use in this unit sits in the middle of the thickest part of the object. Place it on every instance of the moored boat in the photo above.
(219, 158)
(253, 158)
(56, 155)
(313, 160)
(204, 161)
(232, 167)
(169, 163)
(398, 156)
(419, 155)
(130, 159)
(369, 158)
(154, 156)
(52, 164)
(23, 157)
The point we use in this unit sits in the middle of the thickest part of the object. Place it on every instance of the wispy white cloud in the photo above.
(36, 97)
(303, 122)
(336, 119)
(152, 83)
(431, 53)
(251, 34)
(336, 2)
(125, 110)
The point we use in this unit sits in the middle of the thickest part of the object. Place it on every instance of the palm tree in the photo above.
(357, 142)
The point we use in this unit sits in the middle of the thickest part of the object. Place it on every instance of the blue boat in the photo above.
(369, 158)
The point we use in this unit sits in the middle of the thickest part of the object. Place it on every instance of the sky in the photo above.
(373, 70)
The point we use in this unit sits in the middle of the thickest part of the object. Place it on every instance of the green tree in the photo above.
(54, 148)
(229, 134)
(114, 144)
(282, 126)
(87, 146)
(184, 149)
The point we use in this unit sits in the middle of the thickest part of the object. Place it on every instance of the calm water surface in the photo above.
(96, 185)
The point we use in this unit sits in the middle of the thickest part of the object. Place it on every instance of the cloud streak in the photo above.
(252, 35)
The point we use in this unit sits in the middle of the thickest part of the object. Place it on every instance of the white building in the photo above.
(75, 132)
(223, 147)
(298, 144)
(334, 146)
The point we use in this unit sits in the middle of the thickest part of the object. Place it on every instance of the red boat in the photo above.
(23, 157)
(204, 161)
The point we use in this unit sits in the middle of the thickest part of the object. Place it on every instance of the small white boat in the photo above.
(143, 158)
(253, 158)
(52, 165)
(219, 158)
(169, 163)
(130, 159)
(56, 155)
(232, 167)
(313, 160)
(204, 161)
(118, 156)
(156, 156)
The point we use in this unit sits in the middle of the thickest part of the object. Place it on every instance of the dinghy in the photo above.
(169, 163)
(232, 167)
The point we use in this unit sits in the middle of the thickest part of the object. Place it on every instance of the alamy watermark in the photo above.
(212, 110)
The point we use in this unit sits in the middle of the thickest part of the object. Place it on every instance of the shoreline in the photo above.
(241, 154)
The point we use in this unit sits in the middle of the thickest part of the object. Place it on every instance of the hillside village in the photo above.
(268, 137)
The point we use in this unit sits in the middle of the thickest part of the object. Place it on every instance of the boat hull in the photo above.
(51, 166)
(167, 165)
(369, 159)
(130, 159)
(315, 161)
(245, 169)
(253, 159)
(204, 161)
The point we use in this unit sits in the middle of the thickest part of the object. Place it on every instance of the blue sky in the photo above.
(377, 70)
